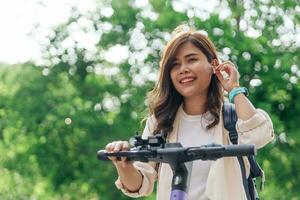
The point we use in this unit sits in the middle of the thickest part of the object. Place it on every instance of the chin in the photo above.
(187, 94)
(191, 93)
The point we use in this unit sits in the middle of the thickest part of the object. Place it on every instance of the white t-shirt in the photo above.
(192, 132)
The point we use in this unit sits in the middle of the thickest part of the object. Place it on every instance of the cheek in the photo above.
(174, 82)
(173, 76)
(204, 72)
(203, 68)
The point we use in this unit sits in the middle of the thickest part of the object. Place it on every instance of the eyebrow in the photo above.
(191, 54)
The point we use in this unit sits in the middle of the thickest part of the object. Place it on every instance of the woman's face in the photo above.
(191, 72)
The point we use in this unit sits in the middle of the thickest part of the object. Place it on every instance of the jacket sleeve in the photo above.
(257, 130)
(146, 169)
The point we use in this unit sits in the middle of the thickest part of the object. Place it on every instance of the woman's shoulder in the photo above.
(150, 126)
(151, 120)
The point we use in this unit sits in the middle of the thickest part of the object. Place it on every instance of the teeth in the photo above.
(187, 80)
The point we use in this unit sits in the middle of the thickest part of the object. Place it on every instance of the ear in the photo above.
(214, 63)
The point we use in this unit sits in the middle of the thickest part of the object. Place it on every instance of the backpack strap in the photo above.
(230, 119)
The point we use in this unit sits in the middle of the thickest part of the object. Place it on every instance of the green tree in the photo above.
(56, 115)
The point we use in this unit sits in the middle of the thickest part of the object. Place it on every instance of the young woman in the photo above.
(186, 103)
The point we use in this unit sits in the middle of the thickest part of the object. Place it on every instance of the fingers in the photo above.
(221, 73)
(109, 148)
(126, 146)
(227, 70)
(226, 66)
(117, 146)
(228, 75)
(219, 76)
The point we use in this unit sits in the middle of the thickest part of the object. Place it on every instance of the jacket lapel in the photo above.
(172, 137)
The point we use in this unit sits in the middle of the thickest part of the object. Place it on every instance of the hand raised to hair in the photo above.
(232, 79)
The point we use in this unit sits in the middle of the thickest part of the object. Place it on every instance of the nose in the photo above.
(184, 69)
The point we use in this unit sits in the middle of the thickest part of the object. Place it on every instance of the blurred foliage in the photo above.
(56, 114)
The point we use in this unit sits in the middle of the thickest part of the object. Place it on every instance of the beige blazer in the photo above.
(224, 180)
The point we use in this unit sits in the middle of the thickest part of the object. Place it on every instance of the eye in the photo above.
(191, 60)
(174, 64)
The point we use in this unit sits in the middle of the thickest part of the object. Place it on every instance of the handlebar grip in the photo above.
(239, 150)
(141, 155)
(102, 155)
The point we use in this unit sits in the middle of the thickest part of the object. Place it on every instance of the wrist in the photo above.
(235, 91)
(234, 85)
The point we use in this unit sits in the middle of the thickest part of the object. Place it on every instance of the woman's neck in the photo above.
(195, 105)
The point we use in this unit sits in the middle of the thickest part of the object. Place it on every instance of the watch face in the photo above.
(246, 91)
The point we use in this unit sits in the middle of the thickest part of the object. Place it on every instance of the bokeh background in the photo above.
(78, 80)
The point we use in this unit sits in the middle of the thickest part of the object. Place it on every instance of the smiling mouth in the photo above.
(187, 80)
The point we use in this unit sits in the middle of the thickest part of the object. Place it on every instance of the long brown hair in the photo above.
(164, 100)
